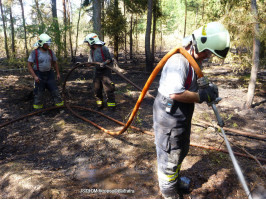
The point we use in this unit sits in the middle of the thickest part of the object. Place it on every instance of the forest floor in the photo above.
(57, 155)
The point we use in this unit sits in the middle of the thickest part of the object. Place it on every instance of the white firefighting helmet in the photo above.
(92, 39)
(44, 38)
(213, 37)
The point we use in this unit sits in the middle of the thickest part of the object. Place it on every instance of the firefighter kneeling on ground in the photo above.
(102, 75)
(174, 105)
(40, 64)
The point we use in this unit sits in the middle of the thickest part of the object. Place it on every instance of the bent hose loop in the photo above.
(148, 83)
(87, 64)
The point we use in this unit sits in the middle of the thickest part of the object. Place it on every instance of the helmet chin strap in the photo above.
(194, 44)
(191, 50)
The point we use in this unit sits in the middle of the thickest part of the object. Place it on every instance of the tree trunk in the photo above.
(116, 38)
(125, 39)
(69, 27)
(153, 33)
(185, 19)
(202, 14)
(131, 38)
(25, 30)
(255, 57)
(4, 26)
(102, 19)
(75, 53)
(65, 28)
(12, 33)
(97, 27)
(56, 28)
(149, 64)
(136, 38)
(40, 19)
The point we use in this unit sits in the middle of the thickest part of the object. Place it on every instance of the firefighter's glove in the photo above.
(209, 93)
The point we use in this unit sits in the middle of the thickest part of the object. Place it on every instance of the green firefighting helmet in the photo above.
(92, 39)
(44, 38)
(213, 37)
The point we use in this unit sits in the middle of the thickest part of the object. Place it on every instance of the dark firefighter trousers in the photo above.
(172, 138)
(102, 81)
(47, 80)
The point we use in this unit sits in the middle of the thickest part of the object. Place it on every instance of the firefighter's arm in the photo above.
(36, 78)
(56, 69)
(186, 97)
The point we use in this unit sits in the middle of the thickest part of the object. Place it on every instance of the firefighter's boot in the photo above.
(57, 98)
(170, 195)
(37, 101)
(184, 185)
(99, 104)
(111, 105)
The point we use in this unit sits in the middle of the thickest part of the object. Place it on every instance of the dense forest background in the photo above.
(131, 27)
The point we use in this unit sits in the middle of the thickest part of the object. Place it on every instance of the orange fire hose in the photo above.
(152, 77)
(144, 90)
(142, 95)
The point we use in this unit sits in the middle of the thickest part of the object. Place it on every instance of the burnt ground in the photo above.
(57, 155)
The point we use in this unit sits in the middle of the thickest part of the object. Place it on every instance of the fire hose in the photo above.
(204, 83)
(142, 95)
(144, 90)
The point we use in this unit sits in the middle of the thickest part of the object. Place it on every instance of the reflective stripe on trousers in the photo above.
(110, 104)
(166, 177)
(37, 106)
(99, 103)
(60, 104)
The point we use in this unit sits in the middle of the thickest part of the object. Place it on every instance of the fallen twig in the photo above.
(225, 151)
(204, 123)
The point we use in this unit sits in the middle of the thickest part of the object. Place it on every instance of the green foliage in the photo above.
(217, 158)
(138, 119)
(235, 125)
(237, 17)
(215, 10)
(16, 62)
(173, 16)
(234, 14)
(136, 6)
(141, 26)
(115, 23)
(172, 12)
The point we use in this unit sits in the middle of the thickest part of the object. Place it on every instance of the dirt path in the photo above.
(56, 155)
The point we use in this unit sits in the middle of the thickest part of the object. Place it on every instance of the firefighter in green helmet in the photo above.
(40, 63)
(174, 104)
(102, 75)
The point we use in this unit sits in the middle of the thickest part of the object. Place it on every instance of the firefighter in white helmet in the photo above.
(102, 75)
(174, 105)
(40, 63)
